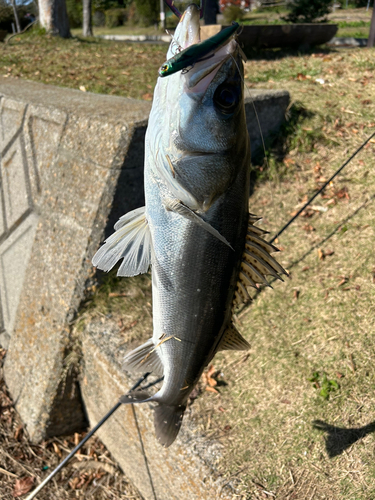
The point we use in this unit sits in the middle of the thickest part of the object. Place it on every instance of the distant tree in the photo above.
(308, 11)
(87, 18)
(53, 17)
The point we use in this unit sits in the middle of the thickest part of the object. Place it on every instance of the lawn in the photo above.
(296, 418)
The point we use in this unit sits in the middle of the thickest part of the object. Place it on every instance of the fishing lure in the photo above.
(197, 52)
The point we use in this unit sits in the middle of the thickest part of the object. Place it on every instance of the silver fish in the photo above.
(195, 230)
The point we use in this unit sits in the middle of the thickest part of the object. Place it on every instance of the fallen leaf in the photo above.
(82, 88)
(344, 280)
(296, 294)
(321, 254)
(306, 268)
(211, 389)
(147, 97)
(308, 228)
(22, 486)
(57, 449)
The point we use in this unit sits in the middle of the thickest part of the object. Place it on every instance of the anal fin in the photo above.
(232, 340)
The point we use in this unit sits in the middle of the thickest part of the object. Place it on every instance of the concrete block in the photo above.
(62, 155)
(185, 470)
(265, 114)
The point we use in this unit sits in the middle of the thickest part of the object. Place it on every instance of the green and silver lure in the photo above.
(197, 52)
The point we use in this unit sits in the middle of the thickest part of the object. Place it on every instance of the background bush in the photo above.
(232, 13)
(7, 16)
(308, 11)
(115, 17)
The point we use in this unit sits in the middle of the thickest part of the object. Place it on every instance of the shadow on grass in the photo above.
(277, 54)
(338, 439)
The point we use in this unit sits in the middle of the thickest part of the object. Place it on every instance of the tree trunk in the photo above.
(87, 23)
(54, 18)
(211, 9)
(371, 38)
(18, 27)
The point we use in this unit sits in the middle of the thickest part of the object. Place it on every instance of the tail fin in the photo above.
(167, 421)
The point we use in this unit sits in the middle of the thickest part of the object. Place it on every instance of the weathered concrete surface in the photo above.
(62, 155)
(186, 470)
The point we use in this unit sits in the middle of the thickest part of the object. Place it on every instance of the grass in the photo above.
(296, 419)
(89, 64)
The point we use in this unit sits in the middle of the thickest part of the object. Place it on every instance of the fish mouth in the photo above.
(199, 77)
(187, 32)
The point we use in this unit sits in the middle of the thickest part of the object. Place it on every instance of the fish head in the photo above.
(199, 113)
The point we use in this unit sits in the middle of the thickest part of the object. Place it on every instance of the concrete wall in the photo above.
(62, 153)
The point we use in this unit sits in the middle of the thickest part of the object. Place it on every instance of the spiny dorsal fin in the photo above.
(256, 262)
(232, 340)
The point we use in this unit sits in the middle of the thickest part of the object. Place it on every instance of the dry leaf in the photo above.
(211, 389)
(321, 254)
(296, 294)
(22, 486)
(147, 97)
(57, 449)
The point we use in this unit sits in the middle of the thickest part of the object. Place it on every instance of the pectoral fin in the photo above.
(184, 211)
(131, 241)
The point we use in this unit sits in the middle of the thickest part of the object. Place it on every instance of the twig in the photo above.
(20, 33)
(7, 473)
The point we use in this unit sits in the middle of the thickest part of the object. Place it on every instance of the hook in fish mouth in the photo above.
(177, 13)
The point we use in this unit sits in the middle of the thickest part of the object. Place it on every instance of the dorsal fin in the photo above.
(256, 262)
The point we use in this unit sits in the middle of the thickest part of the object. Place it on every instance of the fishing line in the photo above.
(322, 188)
(256, 115)
(89, 434)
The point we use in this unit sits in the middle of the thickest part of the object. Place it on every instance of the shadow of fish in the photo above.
(195, 230)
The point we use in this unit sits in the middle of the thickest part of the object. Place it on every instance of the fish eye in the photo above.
(226, 98)
(164, 68)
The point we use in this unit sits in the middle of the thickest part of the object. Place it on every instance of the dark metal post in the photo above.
(371, 38)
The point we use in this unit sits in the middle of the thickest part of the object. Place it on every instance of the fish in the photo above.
(196, 52)
(195, 231)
